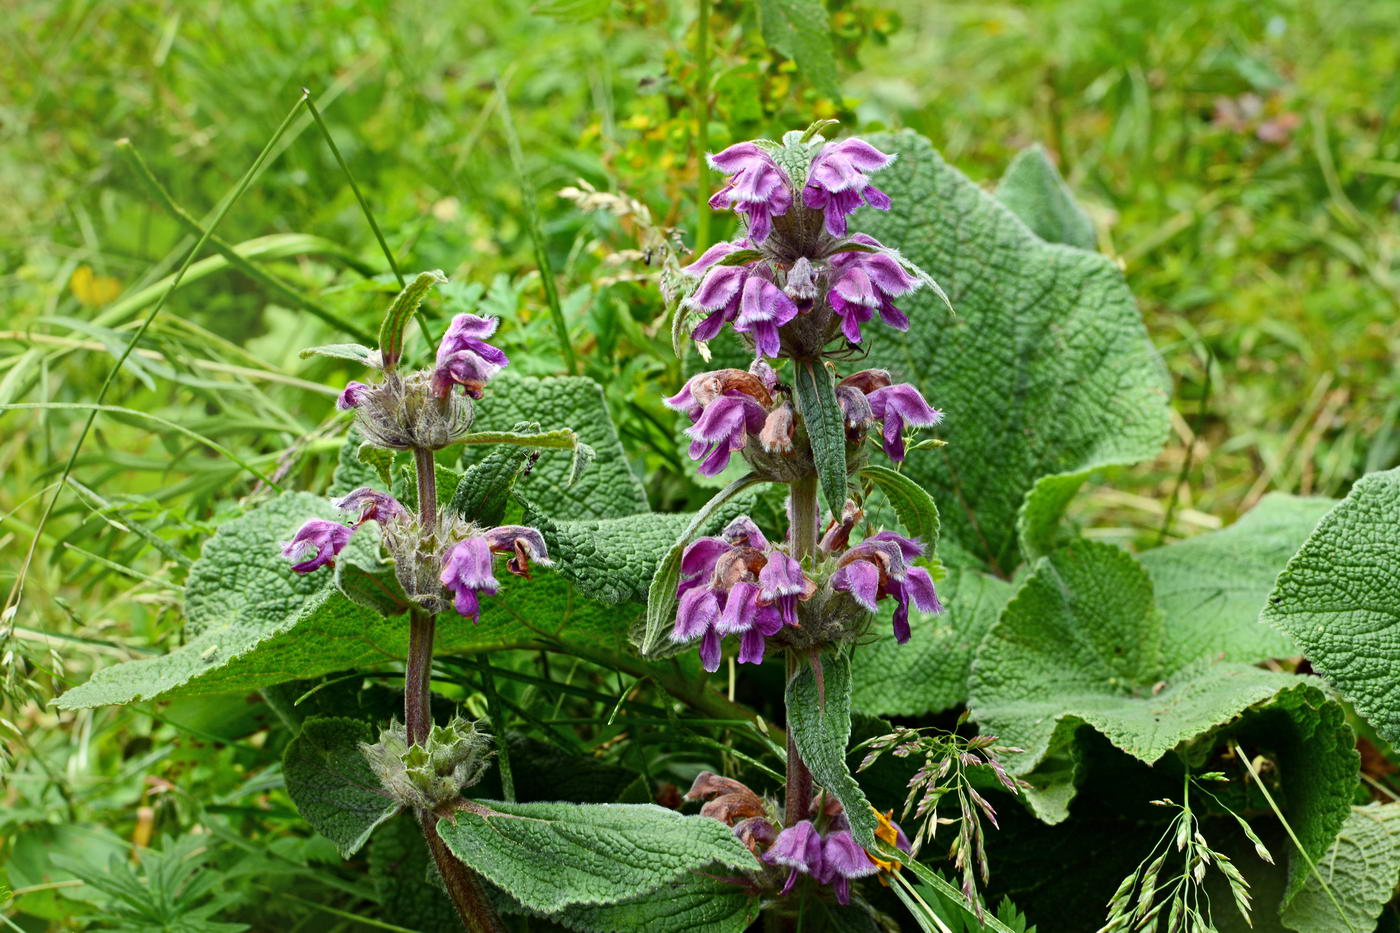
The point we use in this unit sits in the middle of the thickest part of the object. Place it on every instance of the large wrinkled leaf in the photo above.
(261, 624)
(332, 785)
(1213, 587)
(1362, 868)
(929, 672)
(551, 855)
(693, 904)
(1034, 191)
(800, 30)
(607, 489)
(819, 715)
(1339, 598)
(1044, 372)
(1081, 643)
(614, 559)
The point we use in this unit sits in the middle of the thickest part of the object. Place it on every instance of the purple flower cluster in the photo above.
(468, 568)
(316, 543)
(882, 566)
(743, 295)
(737, 584)
(756, 187)
(863, 283)
(725, 407)
(758, 297)
(870, 395)
(833, 859)
(464, 358)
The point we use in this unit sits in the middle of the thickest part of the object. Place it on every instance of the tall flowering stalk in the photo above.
(440, 561)
(802, 293)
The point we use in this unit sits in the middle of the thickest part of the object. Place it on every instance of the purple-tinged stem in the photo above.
(463, 887)
(804, 517)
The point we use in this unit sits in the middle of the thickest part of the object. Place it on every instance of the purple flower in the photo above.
(781, 581)
(352, 396)
(799, 848)
(466, 572)
(896, 406)
(719, 296)
(465, 358)
(316, 544)
(726, 588)
(724, 427)
(698, 613)
(742, 532)
(725, 406)
(842, 860)
(522, 544)
(865, 283)
(917, 585)
(372, 505)
(837, 183)
(756, 187)
(881, 566)
(468, 568)
(762, 310)
(860, 578)
(713, 255)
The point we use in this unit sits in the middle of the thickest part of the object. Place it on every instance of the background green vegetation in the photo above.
(1241, 159)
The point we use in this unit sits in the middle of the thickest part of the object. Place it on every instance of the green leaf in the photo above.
(345, 351)
(800, 30)
(360, 464)
(369, 580)
(1081, 643)
(929, 673)
(615, 559)
(560, 439)
(254, 623)
(915, 507)
(692, 904)
(1362, 869)
(661, 595)
(819, 715)
(740, 257)
(1034, 191)
(484, 490)
(815, 394)
(1044, 371)
(396, 319)
(332, 785)
(608, 489)
(1338, 598)
(1213, 587)
(552, 855)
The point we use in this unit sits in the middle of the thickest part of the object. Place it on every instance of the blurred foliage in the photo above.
(1241, 160)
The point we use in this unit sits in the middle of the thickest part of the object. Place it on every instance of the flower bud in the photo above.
(433, 775)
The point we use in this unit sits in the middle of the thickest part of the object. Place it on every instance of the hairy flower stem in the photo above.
(463, 887)
(804, 521)
(804, 517)
(797, 801)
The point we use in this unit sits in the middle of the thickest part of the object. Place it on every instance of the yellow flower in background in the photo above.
(889, 834)
(93, 290)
